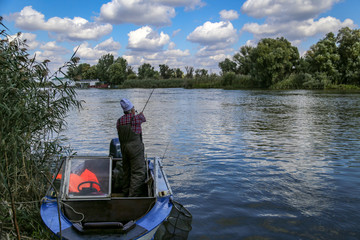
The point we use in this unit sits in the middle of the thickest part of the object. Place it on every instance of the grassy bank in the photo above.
(234, 81)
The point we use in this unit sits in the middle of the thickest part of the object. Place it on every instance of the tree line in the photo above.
(116, 71)
(274, 63)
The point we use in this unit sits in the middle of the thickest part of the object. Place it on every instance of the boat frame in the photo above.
(110, 215)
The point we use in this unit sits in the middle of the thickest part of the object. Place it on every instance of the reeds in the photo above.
(31, 119)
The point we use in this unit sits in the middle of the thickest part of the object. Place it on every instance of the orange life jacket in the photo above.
(87, 175)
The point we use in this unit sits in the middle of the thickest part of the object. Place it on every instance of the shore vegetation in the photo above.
(32, 117)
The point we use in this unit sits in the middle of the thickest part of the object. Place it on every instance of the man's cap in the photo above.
(126, 104)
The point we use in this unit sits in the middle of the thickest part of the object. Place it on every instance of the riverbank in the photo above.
(232, 82)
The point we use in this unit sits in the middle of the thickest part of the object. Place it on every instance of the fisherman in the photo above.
(132, 150)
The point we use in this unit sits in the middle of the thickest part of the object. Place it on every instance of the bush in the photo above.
(294, 81)
(228, 78)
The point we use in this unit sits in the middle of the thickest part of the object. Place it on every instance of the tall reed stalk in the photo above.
(32, 113)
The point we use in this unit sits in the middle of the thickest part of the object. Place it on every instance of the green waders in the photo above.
(134, 167)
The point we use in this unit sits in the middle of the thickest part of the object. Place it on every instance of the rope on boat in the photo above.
(76, 212)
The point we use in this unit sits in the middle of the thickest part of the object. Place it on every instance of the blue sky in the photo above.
(179, 33)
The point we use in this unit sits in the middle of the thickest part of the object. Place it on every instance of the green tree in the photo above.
(201, 73)
(178, 73)
(91, 73)
(118, 71)
(349, 51)
(165, 71)
(31, 115)
(102, 67)
(227, 66)
(146, 71)
(243, 60)
(273, 60)
(78, 72)
(189, 72)
(323, 58)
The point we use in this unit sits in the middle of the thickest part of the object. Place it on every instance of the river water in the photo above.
(247, 164)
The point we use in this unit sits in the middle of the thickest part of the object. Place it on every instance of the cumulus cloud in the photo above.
(93, 54)
(298, 30)
(138, 12)
(53, 47)
(147, 39)
(218, 35)
(290, 9)
(229, 15)
(65, 28)
(188, 4)
(216, 40)
(174, 58)
(292, 19)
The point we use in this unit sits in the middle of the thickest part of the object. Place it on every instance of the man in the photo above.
(132, 150)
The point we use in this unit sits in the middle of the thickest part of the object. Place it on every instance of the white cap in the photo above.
(126, 104)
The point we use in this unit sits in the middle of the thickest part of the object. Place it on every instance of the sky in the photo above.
(178, 33)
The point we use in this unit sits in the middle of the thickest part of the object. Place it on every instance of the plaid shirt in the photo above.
(135, 124)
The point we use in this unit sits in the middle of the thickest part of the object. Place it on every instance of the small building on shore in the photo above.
(86, 83)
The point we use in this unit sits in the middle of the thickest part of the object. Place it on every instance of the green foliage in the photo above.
(228, 78)
(118, 71)
(237, 81)
(189, 72)
(294, 81)
(166, 72)
(349, 51)
(243, 61)
(227, 66)
(212, 81)
(153, 83)
(273, 60)
(178, 73)
(146, 71)
(91, 73)
(102, 67)
(201, 73)
(31, 117)
(323, 57)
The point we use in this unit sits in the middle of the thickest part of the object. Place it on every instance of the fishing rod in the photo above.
(148, 100)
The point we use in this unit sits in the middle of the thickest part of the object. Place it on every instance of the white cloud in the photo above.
(65, 28)
(51, 46)
(215, 40)
(139, 12)
(297, 31)
(92, 55)
(218, 34)
(289, 9)
(229, 15)
(109, 45)
(175, 32)
(146, 39)
(292, 19)
(174, 58)
(188, 4)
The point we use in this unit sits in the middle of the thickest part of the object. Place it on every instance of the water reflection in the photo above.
(282, 164)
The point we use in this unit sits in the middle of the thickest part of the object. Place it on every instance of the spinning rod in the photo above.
(148, 100)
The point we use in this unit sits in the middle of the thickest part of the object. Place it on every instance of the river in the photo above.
(247, 164)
